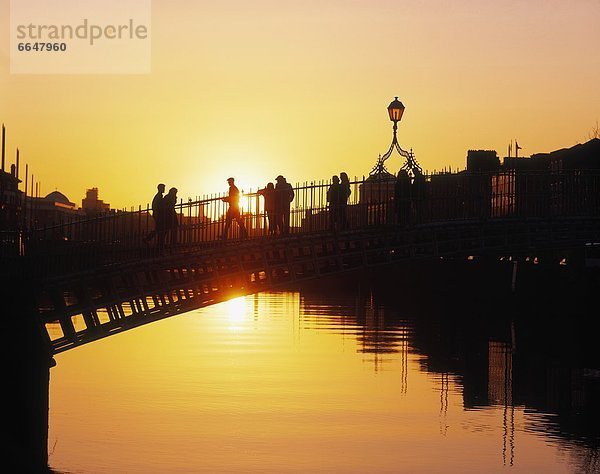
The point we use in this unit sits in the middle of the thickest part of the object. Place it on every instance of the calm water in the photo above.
(292, 382)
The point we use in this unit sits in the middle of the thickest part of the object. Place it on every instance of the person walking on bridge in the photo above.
(157, 215)
(233, 213)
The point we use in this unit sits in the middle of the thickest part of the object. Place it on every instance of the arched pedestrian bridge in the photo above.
(97, 277)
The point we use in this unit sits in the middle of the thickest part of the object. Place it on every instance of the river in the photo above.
(302, 382)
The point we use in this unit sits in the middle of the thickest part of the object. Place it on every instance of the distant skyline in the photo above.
(255, 89)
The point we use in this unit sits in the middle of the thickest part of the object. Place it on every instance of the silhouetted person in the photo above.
(334, 198)
(170, 215)
(284, 197)
(402, 197)
(157, 215)
(233, 212)
(268, 194)
(345, 195)
(418, 195)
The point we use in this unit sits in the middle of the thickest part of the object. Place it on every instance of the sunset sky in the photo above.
(255, 89)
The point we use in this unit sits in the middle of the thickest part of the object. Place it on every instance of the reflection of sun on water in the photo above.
(236, 313)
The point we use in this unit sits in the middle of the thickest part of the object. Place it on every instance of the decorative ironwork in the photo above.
(395, 110)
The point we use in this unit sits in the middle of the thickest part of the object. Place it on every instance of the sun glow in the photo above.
(250, 166)
(236, 313)
(302, 90)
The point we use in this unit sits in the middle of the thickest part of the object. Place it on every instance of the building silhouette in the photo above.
(11, 200)
(482, 160)
(52, 209)
(92, 205)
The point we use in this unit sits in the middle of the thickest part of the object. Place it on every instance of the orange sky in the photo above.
(258, 88)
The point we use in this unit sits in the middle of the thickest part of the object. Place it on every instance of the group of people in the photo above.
(409, 197)
(277, 201)
(164, 215)
(278, 198)
(338, 194)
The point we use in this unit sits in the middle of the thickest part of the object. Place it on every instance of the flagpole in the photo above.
(3, 145)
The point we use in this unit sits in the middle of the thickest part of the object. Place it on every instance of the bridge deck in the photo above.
(96, 277)
(79, 308)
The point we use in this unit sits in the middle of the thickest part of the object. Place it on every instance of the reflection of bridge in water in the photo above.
(97, 277)
(525, 378)
(535, 377)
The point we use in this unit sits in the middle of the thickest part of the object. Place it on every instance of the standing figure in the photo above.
(402, 197)
(345, 195)
(170, 216)
(157, 215)
(283, 200)
(233, 213)
(334, 197)
(418, 196)
(269, 194)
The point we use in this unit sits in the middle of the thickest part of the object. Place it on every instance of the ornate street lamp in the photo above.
(395, 111)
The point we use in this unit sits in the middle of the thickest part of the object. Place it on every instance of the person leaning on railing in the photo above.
(268, 194)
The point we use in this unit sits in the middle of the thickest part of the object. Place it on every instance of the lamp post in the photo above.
(395, 111)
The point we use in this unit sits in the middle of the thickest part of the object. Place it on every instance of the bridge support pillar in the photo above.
(26, 381)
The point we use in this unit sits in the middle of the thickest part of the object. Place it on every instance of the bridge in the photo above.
(72, 283)
(96, 277)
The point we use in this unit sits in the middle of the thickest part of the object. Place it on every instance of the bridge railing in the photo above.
(373, 201)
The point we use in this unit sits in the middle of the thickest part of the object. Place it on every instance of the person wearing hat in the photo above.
(284, 197)
(233, 213)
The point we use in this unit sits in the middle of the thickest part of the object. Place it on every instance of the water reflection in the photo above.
(354, 381)
(548, 378)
